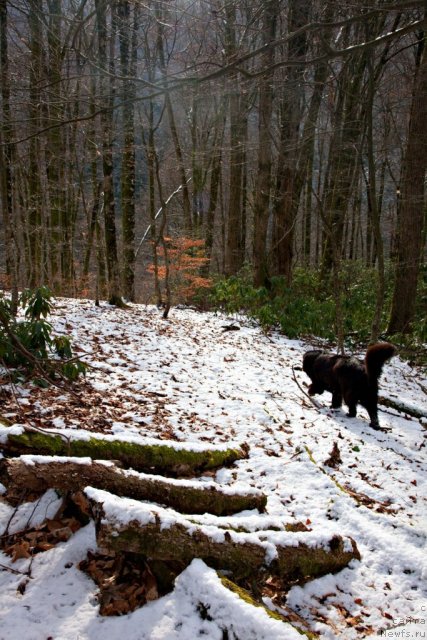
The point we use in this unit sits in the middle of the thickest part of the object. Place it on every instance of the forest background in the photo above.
(260, 156)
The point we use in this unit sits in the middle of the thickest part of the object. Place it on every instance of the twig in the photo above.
(5, 533)
(165, 203)
(15, 571)
(316, 404)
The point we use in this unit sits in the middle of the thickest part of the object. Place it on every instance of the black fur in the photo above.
(348, 378)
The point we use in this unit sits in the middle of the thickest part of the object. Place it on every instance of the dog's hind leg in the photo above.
(372, 409)
(351, 401)
(336, 399)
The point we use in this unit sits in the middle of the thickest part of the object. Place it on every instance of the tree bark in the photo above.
(59, 218)
(171, 117)
(37, 475)
(343, 156)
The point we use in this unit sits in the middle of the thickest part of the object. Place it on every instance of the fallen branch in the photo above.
(37, 474)
(312, 400)
(360, 498)
(4, 567)
(402, 407)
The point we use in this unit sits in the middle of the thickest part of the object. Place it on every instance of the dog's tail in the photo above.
(376, 356)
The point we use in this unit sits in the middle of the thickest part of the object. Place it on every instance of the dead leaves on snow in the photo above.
(25, 544)
(125, 581)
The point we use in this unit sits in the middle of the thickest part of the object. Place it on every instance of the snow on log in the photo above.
(232, 609)
(124, 525)
(149, 455)
(39, 473)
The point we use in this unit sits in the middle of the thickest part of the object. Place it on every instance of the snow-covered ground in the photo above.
(190, 380)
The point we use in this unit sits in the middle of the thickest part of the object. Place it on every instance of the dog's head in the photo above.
(309, 359)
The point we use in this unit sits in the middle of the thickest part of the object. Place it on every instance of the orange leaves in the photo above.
(186, 257)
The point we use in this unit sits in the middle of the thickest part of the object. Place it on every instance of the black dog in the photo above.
(348, 378)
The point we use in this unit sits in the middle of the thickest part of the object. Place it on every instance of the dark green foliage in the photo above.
(307, 307)
(28, 346)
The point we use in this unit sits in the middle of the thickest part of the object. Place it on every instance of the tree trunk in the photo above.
(217, 160)
(6, 159)
(234, 249)
(373, 206)
(263, 182)
(343, 155)
(289, 176)
(69, 474)
(403, 407)
(35, 254)
(172, 123)
(128, 43)
(106, 81)
(412, 208)
(59, 216)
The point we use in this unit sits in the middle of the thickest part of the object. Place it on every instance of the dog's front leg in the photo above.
(315, 388)
(352, 409)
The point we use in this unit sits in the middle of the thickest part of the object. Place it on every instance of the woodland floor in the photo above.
(194, 379)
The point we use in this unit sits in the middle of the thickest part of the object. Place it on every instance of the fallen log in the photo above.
(403, 407)
(167, 536)
(152, 456)
(39, 473)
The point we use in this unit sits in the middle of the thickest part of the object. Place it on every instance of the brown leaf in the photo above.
(151, 592)
(73, 524)
(114, 608)
(44, 546)
(53, 525)
(63, 534)
(19, 550)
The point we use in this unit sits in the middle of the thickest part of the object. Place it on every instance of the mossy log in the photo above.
(167, 536)
(37, 474)
(177, 459)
